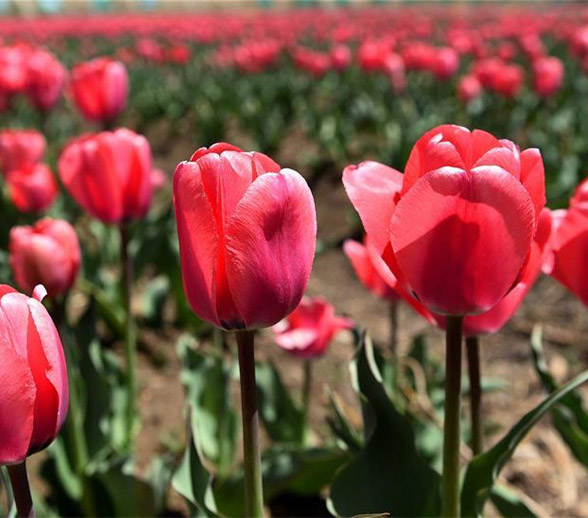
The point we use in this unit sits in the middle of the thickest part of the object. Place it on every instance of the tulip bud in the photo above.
(247, 232)
(33, 188)
(46, 77)
(100, 88)
(548, 73)
(109, 174)
(33, 374)
(310, 328)
(20, 149)
(46, 253)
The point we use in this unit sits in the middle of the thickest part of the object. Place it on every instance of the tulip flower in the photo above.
(310, 328)
(340, 57)
(34, 397)
(469, 88)
(20, 149)
(548, 74)
(247, 232)
(46, 77)
(46, 253)
(100, 89)
(109, 174)
(467, 251)
(32, 189)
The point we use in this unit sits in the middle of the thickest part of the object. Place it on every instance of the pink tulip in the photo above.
(20, 149)
(247, 233)
(46, 77)
(469, 88)
(548, 74)
(310, 328)
(47, 253)
(109, 174)
(100, 88)
(32, 188)
(33, 375)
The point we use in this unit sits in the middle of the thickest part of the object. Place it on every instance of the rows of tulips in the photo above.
(90, 226)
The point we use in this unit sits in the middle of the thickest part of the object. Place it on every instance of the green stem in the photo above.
(473, 355)
(252, 457)
(393, 308)
(130, 337)
(21, 490)
(451, 435)
(307, 389)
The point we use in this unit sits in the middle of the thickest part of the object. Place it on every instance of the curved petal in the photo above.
(464, 253)
(373, 190)
(270, 243)
(198, 239)
(533, 178)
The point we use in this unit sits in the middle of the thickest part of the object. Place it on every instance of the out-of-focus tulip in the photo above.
(468, 88)
(371, 269)
(20, 149)
(35, 395)
(446, 63)
(179, 53)
(340, 57)
(13, 68)
(109, 174)
(469, 248)
(569, 245)
(508, 80)
(32, 188)
(310, 328)
(46, 77)
(247, 231)
(394, 69)
(548, 74)
(46, 253)
(100, 88)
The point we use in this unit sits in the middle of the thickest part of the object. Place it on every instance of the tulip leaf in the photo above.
(341, 427)
(193, 481)
(154, 299)
(286, 469)
(208, 382)
(569, 416)
(482, 471)
(282, 419)
(509, 504)
(388, 475)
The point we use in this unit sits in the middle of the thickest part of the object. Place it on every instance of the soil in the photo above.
(542, 466)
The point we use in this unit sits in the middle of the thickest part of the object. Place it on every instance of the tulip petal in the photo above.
(373, 190)
(270, 243)
(533, 177)
(16, 404)
(198, 240)
(462, 254)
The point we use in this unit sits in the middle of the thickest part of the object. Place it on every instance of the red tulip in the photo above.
(493, 320)
(47, 253)
(20, 149)
(46, 77)
(33, 374)
(100, 88)
(468, 88)
(548, 73)
(569, 245)
(467, 250)
(13, 68)
(247, 236)
(109, 174)
(340, 57)
(32, 188)
(445, 63)
(310, 328)
(371, 269)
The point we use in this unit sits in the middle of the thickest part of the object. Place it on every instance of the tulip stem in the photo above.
(252, 457)
(473, 356)
(451, 434)
(307, 390)
(21, 490)
(393, 308)
(130, 337)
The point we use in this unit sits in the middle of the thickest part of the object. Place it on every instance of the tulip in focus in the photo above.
(100, 89)
(247, 232)
(33, 374)
(109, 174)
(310, 328)
(483, 199)
(46, 253)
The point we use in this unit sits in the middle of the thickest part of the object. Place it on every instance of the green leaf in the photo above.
(286, 469)
(509, 504)
(388, 474)
(154, 300)
(208, 381)
(341, 427)
(192, 481)
(483, 470)
(282, 419)
(569, 416)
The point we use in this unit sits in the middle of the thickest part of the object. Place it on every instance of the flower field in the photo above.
(305, 262)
